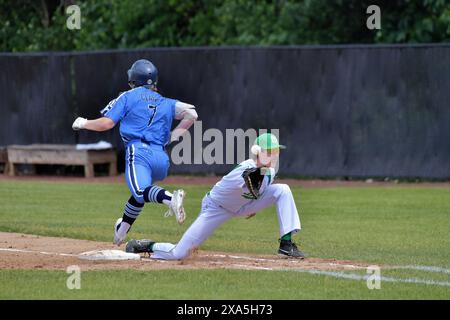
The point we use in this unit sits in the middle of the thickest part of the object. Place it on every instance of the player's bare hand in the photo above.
(79, 123)
(251, 215)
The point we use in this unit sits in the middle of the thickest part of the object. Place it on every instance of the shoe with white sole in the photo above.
(176, 206)
(118, 239)
(289, 249)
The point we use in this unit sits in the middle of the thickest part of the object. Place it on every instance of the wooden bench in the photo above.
(61, 154)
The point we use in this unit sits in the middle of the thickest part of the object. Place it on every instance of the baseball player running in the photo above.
(145, 119)
(247, 189)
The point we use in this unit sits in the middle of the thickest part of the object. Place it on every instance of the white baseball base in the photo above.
(108, 255)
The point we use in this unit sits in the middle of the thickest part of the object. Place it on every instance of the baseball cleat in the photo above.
(176, 206)
(119, 238)
(139, 246)
(289, 249)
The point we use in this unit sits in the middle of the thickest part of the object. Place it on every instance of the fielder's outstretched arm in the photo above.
(100, 124)
(187, 114)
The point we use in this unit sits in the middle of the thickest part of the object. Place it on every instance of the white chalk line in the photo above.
(351, 266)
(351, 276)
(411, 267)
(354, 276)
(424, 268)
(342, 275)
(39, 252)
(246, 267)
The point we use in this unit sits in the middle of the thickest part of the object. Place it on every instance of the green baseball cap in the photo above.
(268, 141)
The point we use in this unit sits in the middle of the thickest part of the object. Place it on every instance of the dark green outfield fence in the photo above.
(356, 111)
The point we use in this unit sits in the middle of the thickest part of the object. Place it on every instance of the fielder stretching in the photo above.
(145, 121)
(244, 191)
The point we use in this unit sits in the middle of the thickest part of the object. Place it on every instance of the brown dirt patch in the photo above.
(20, 251)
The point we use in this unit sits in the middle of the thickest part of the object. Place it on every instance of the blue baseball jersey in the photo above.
(143, 115)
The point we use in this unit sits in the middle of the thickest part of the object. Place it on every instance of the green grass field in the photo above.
(394, 226)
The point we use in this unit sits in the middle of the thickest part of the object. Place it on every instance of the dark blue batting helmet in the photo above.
(142, 73)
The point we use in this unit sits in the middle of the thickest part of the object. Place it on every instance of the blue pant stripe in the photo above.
(131, 212)
(153, 191)
(133, 208)
(150, 194)
(131, 171)
(141, 192)
(131, 215)
(156, 194)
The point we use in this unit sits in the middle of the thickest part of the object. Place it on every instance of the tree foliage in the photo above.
(40, 25)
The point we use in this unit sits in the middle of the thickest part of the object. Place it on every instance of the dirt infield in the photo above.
(20, 251)
(211, 180)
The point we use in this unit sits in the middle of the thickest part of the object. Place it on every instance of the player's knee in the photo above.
(286, 188)
(135, 202)
(283, 188)
(139, 198)
(180, 254)
(136, 194)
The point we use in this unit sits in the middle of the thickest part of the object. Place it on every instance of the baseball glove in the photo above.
(253, 180)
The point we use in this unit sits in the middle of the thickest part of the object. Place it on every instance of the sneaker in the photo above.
(176, 206)
(139, 246)
(118, 239)
(289, 249)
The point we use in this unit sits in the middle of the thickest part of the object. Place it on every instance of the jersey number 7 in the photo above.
(153, 108)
